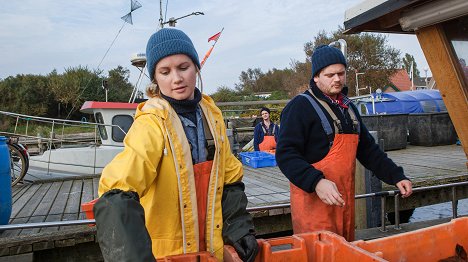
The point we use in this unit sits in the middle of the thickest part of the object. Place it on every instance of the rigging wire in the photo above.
(165, 12)
(98, 71)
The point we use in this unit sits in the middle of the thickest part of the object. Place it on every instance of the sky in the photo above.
(38, 36)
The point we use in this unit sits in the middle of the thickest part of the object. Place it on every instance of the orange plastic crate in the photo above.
(428, 244)
(327, 246)
(88, 208)
(321, 246)
(192, 257)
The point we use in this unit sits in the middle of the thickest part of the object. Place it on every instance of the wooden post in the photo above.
(367, 211)
(453, 88)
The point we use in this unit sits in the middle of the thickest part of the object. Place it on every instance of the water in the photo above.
(437, 211)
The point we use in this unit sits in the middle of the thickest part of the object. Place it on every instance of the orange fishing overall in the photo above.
(308, 212)
(202, 172)
(268, 143)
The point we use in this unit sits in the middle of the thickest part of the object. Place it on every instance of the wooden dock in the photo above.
(60, 200)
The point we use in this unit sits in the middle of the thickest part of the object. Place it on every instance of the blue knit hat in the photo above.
(324, 56)
(166, 42)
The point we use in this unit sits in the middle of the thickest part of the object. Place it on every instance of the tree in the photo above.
(225, 94)
(407, 61)
(366, 53)
(248, 80)
(119, 87)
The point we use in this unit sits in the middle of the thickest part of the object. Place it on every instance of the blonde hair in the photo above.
(153, 90)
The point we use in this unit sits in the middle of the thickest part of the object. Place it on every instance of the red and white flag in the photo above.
(215, 37)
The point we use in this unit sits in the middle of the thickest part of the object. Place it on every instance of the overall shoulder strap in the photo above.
(323, 119)
(356, 124)
(336, 121)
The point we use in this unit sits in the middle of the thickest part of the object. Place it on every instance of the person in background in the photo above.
(265, 132)
(321, 135)
(176, 187)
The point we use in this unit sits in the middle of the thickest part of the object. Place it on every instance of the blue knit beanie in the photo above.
(324, 56)
(166, 42)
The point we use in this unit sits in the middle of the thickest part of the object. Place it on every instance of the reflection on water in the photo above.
(443, 210)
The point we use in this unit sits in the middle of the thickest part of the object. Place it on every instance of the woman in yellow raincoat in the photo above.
(176, 187)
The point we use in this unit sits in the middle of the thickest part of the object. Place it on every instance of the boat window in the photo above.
(124, 121)
(101, 128)
(457, 32)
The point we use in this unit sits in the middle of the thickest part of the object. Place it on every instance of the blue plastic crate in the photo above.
(258, 159)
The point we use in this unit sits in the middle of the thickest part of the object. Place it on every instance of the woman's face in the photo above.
(265, 115)
(176, 76)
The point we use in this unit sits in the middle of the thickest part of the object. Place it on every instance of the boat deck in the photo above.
(60, 199)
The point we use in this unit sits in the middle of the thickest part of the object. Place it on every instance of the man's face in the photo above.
(331, 79)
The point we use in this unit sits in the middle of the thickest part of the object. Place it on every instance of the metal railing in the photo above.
(382, 195)
(52, 141)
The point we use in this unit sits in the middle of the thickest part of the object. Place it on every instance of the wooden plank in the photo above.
(95, 187)
(72, 208)
(35, 207)
(41, 212)
(21, 190)
(58, 207)
(22, 201)
(87, 195)
(445, 70)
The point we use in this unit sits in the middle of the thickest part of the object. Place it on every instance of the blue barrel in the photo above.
(5, 182)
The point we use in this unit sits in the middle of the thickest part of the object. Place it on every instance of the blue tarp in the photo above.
(406, 102)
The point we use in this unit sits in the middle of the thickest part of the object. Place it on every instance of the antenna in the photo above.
(172, 21)
(343, 46)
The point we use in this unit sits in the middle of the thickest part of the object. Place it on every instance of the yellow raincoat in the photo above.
(157, 164)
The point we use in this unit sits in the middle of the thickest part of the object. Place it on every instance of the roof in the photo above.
(401, 16)
(401, 80)
(89, 106)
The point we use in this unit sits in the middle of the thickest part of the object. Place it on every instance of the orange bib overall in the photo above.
(202, 172)
(308, 212)
(268, 143)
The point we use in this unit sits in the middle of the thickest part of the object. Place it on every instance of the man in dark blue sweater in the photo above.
(321, 136)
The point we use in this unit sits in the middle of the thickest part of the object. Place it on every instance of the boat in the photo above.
(113, 119)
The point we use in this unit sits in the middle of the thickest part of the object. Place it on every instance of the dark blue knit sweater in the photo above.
(302, 142)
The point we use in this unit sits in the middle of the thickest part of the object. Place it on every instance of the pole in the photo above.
(211, 49)
(357, 83)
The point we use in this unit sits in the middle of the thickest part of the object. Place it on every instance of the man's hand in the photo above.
(328, 192)
(406, 188)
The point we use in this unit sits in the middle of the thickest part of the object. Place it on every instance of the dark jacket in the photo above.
(302, 142)
(259, 133)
